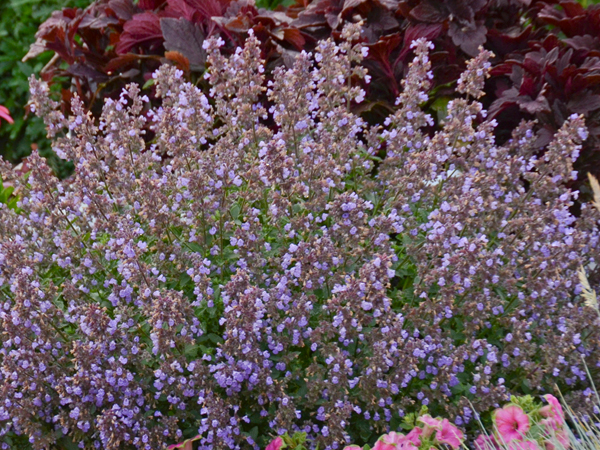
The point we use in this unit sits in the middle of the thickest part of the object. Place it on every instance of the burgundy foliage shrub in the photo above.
(555, 76)
(106, 44)
(545, 66)
(114, 42)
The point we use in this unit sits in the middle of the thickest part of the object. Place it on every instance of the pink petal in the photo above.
(556, 407)
(484, 442)
(430, 421)
(413, 436)
(5, 114)
(450, 435)
(381, 445)
(275, 444)
(511, 422)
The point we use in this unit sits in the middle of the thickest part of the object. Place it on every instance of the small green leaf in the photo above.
(148, 83)
(215, 338)
(235, 211)
(253, 433)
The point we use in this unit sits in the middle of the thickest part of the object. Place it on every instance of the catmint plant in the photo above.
(256, 269)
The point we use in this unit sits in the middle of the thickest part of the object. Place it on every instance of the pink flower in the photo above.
(562, 439)
(555, 429)
(382, 445)
(414, 436)
(550, 424)
(276, 444)
(431, 424)
(5, 114)
(484, 442)
(546, 411)
(555, 410)
(394, 441)
(449, 434)
(511, 422)
(393, 438)
(430, 421)
(352, 447)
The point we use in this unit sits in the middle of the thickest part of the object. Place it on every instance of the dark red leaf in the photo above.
(537, 105)
(294, 37)
(414, 32)
(461, 11)
(583, 42)
(180, 9)
(184, 37)
(52, 30)
(237, 24)
(123, 9)
(544, 136)
(349, 4)
(207, 8)
(35, 49)
(468, 38)
(425, 11)
(181, 61)
(313, 15)
(382, 49)
(503, 42)
(592, 79)
(116, 64)
(533, 63)
(59, 46)
(150, 5)
(143, 29)
(528, 87)
(380, 22)
(97, 22)
(273, 18)
(86, 72)
(572, 8)
(584, 102)
(564, 61)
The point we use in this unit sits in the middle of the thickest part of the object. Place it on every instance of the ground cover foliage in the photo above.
(545, 65)
(522, 424)
(251, 270)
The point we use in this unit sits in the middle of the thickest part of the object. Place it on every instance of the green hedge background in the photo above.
(19, 21)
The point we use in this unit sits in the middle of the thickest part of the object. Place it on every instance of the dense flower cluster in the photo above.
(232, 280)
(522, 424)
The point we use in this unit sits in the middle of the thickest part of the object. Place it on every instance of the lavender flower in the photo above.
(285, 266)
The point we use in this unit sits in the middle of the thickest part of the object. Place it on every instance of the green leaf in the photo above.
(364, 430)
(148, 83)
(215, 338)
(235, 211)
(191, 350)
(253, 433)
(184, 280)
